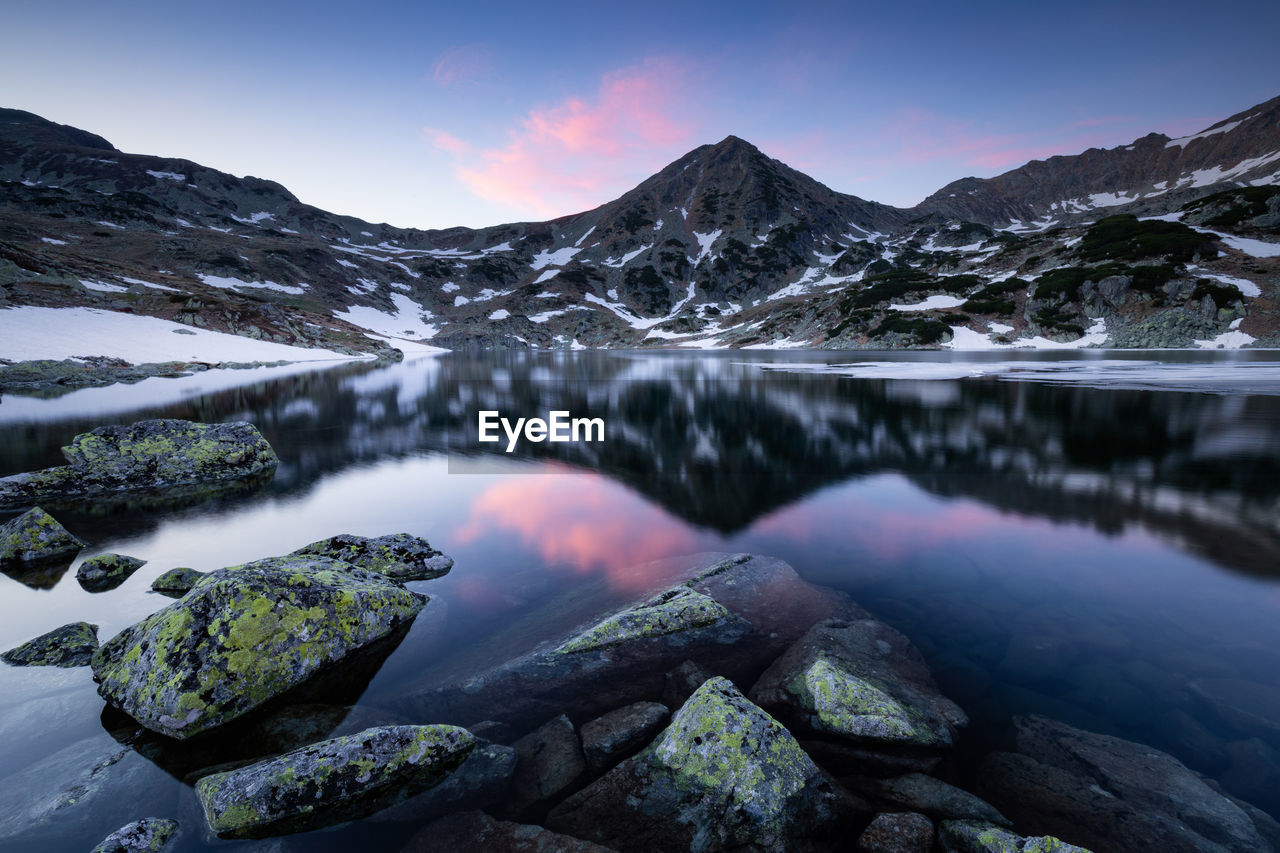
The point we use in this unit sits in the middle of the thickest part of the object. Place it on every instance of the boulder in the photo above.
(617, 734)
(678, 612)
(477, 831)
(399, 555)
(963, 836)
(1111, 794)
(176, 583)
(34, 537)
(723, 775)
(897, 832)
(550, 766)
(243, 636)
(146, 455)
(106, 571)
(933, 797)
(331, 782)
(149, 835)
(70, 645)
(483, 780)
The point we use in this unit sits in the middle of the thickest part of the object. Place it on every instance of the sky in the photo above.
(434, 115)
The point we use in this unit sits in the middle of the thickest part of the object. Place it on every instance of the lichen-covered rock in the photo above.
(724, 775)
(149, 835)
(107, 571)
(550, 765)
(244, 635)
(331, 782)
(897, 832)
(477, 831)
(33, 536)
(618, 733)
(399, 555)
(671, 612)
(964, 836)
(145, 455)
(70, 645)
(176, 583)
(859, 681)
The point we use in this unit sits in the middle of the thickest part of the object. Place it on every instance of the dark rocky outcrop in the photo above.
(619, 733)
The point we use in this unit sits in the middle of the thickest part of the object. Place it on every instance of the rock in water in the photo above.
(672, 612)
(724, 775)
(964, 836)
(35, 536)
(331, 782)
(399, 555)
(244, 635)
(619, 733)
(70, 645)
(550, 766)
(176, 583)
(149, 835)
(107, 571)
(146, 455)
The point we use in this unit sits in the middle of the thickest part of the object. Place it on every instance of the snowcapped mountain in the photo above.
(1159, 243)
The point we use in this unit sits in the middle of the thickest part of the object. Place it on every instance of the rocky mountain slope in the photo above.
(1159, 243)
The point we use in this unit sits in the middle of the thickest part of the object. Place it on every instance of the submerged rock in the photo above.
(962, 836)
(619, 733)
(897, 832)
(862, 682)
(1247, 706)
(331, 782)
(107, 571)
(149, 835)
(70, 645)
(35, 536)
(482, 781)
(400, 555)
(724, 775)
(145, 455)
(176, 583)
(477, 831)
(244, 635)
(1111, 794)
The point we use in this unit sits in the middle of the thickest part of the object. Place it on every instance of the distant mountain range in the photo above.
(1162, 242)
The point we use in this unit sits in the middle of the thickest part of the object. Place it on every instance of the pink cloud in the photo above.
(462, 64)
(584, 150)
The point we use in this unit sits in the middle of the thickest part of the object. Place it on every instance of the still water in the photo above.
(1094, 539)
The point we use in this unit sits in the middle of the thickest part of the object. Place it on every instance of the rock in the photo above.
(724, 775)
(842, 759)
(675, 611)
(399, 555)
(680, 683)
(551, 765)
(1110, 794)
(483, 780)
(35, 536)
(331, 782)
(903, 832)
(477, 831)
(244, 635)
(608, 739)
(933, 797)
(961, 836)
(106, 571)
(145, 455)
(861, 682)
(1254, 773)
(176, 583)
(149, 835)
(1249, 707)
(70, 645)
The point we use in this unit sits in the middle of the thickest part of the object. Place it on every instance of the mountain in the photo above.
(725, 247)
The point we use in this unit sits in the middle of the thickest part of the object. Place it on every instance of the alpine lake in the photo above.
(1090, 536)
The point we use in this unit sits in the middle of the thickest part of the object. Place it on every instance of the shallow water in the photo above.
(1052, 543)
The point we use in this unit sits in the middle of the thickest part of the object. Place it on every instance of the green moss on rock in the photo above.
(176, 583)
(68, 646)
(107, 571)
(149, 835)
(33, 536)
(670, 612)
(400, 555)
(966, 836)
(843, 704)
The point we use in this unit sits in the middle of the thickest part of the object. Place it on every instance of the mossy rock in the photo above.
(670, 612)
(68, 646)
(149, 835)
(35, 536)
(176, 583)
(333, 781)
(244, 635)
(966, 836)
(401, 556)
(107, 571)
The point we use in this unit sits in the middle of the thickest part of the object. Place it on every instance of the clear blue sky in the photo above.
(476, 113)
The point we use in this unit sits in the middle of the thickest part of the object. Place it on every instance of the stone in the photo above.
(153, 454)
(614, 736)
(551, 765)
(475, 830)
(149, 835)
(899, 832)
(933, 797)
(399, 555)
(483, 780)
(960, 836)
(861, 682)
(176, 583)
(1247, 706)
(674, 611)
(680, 683)
(70, 645)
(243, 636)
(842, 759)
(35, 536)
(1107, 793)
(331, 782)
(106, 571)
(723, 775)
